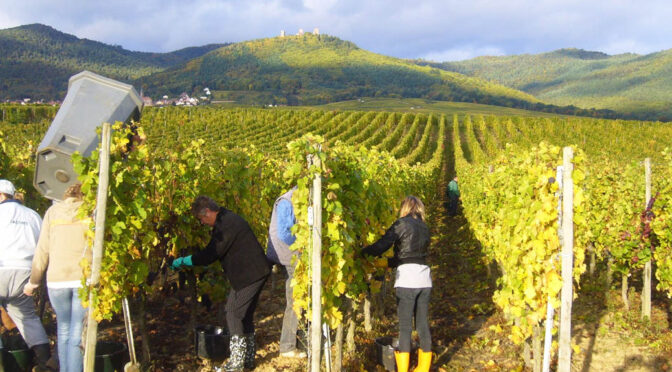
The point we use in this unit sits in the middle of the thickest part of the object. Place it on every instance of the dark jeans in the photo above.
(290, 322)
(452, 205)
(240, 306)
(413, 302)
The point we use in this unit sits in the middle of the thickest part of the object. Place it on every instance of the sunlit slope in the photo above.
(313, 69)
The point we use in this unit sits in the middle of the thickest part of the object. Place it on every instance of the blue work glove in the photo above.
(181, 261)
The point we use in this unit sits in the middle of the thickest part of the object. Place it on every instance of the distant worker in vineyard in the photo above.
(280, 238)
(61, 248)
(233, 243)
(453, 197)
(410, 237)
(19, 232)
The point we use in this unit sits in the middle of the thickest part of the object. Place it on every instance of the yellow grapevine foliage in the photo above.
(615, 199)
(148, 215)
(662, 224)
(361, 193)
(17, 164)
(512, 208)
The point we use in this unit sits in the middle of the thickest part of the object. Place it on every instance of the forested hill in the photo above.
(36, 61)
(635, 85)
(315, 69)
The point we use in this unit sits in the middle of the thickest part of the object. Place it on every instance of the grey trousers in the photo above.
(290, 322)
(413, 303)
(21, 308)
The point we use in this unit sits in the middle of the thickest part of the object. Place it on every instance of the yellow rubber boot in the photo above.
(402, 361)
(424, 361)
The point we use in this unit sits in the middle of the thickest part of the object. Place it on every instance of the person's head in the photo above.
(205, 209)
(412, 205)
(455, 178)
(74, 191)
(7, 190)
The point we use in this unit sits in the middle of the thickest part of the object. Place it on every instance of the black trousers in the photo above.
(452, 205)
(240, 306)
(413, 303)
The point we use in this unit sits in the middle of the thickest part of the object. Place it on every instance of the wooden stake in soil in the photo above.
(565, 334)
(316, 321)
(646, 290)
(98, 240)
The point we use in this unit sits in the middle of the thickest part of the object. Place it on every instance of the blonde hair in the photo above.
(74, 191)
(412, 205)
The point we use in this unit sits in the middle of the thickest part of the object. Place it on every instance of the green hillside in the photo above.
(638, 86)
(317, 69)
(36, 61)
(425, 106)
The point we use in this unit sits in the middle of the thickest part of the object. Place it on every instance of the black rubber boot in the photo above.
(250, 351)
(42, 355)
(236, 360)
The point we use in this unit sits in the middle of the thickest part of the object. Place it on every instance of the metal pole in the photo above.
(315, 336)
(565, 334)
(129, 330)
(101, 206)
(327, 347)
(646, 291)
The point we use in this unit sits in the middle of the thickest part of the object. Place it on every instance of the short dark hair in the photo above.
(201, 203)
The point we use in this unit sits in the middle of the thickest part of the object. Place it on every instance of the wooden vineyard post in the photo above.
(316, 259)
(550, 311)
(565, 334)
(101, 205)
(646, 290)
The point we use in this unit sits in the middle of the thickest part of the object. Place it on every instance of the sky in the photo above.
(438, 30)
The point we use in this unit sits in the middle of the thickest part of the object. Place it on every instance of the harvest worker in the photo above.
(453, 196)
(19, 231)
(410, 236)
(61, 247)
(280, 238)
(233, 243)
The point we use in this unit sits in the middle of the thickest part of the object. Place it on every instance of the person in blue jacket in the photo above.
(278, 251)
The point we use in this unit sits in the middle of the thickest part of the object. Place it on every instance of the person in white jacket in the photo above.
(19, 232)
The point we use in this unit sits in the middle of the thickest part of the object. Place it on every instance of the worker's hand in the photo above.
(181, 261)
(29, 288)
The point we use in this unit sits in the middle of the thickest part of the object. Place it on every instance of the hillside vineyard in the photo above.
(245, 157)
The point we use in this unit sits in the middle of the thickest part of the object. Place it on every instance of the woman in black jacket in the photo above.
(413, 284)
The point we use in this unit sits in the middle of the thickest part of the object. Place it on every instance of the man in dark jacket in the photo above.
(233, 243)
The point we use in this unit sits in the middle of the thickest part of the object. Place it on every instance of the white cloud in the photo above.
(462, 53)
(432, 29)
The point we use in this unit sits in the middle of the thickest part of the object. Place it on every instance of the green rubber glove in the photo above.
(181, 261)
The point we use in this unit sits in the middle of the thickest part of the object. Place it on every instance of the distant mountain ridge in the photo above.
(636, 85)
(316, 69)
(36, 61)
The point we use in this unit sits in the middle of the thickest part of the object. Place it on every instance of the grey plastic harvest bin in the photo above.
(91, 101)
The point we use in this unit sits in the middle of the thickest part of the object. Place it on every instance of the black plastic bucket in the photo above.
(211, 342)
(385, 347)
(16, 356)
(110, 356)
(17, 360)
